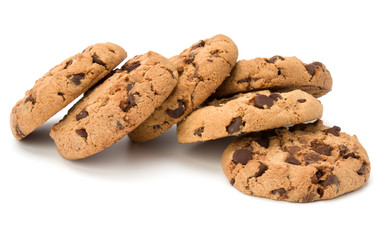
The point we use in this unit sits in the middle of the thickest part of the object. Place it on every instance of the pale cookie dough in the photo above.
(62, 84)
(248, 112)
(307, 162)
(116, 107)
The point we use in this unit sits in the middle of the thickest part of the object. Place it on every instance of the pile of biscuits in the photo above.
(209, 95)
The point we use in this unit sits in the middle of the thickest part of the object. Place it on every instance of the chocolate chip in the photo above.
(335, 130)
(156, 126)
(262, 169)
(170, 72)
(263, 100)
(199, 131)
(232, 181)
(61, 95)
(234, 126)
(311, 67)
(352, 155)
(30, 99)
(302, 100)
(119, 125)
(130, 67)
(292, 149)
(130, 86)
(319, 174)
(320, 191)
(96, 59)
(69, 63)
(241, 156)
(274, 58)
(309, 197)
(82, 133)
(201, 43)
(312, 157)
(292, 160)
(329, 180)
(190, 58)
(81, 115)
(323, 149)
(275, 96)
(76, 78)
(248, 79)
(280, 191)
(362, 170)
(129, 102)
(263, 141)
(178, 112)
(278, 72)
(343, 150)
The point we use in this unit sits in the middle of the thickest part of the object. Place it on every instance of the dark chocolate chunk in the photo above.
(280, 191)
(232, 181)
(130, 86)
(178, 112)
(61, 95)
(329, 180)
(76, 78)
(96, 59)
(82, 114)
(302, 100)
(323, 149)
(201, 43)
(129, 102)
(335, 130)
(363, 169)
(292, 149)
(69, 63)
(311, 67)
(312, 157)
(234, 126)
(82, 133)
(352, 155)
(248, 79)
(263, 141)
(309, 197)
(292, 160)
(263, 100)
(343, 150)
(30, 99)
(274, 58)
(130, 67)
(275, 96)
(170, 72)
(241, 156)
(319, 174)
(320, 191)
(262, 169)
(199, 131)
(190, 58)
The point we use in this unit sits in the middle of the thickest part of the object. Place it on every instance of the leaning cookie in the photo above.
(308, 162)
(277, 73)
(62, 84)
(116, 107)
(248, 112)
(202, 68)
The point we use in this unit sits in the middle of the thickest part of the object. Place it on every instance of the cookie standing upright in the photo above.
(116, 107)
(248, 112)
(305, 163)
(62, 84)
(202, 68)
(277, 73)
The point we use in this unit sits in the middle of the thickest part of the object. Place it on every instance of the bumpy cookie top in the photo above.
(202, 68)
(62, 84)
(304, 163)
(248, 112)
(277, 73)
(117, 106)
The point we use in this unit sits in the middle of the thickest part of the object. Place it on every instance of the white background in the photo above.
(162, 190)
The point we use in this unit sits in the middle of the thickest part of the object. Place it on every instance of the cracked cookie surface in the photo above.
(278, 74)
(202, 68)
(307, 162)
(62, 84)
(248, 112)
(111, 110)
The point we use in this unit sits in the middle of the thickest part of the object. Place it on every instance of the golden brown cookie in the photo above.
(307, 162)
(62, 84)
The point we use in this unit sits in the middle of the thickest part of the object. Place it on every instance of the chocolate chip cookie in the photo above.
(62, 84)
(248, 112)
(202, 68)
(116, 107)
(277, 74)
(307, 162)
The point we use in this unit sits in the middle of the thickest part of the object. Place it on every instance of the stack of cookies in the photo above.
(209, 95)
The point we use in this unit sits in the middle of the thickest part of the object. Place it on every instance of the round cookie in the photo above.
(305, 163)
(277, 73)
(248, 112)
(116, 107)
(202, 68)
(62, 84)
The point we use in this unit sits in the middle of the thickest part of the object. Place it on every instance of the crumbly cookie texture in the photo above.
(62, 84)
(277, 74)
(307, 162)
(202, 68)
(116, 107)
(248, 112)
